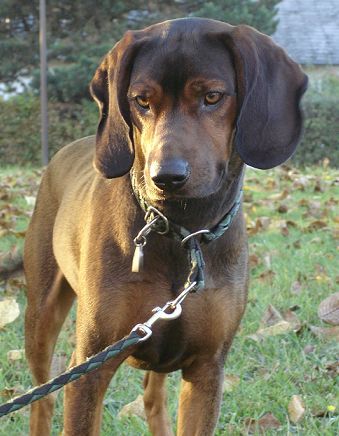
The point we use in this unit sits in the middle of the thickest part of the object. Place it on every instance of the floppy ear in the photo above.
(114, 144)
(270, 86)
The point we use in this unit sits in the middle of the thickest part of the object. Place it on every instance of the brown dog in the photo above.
(184, 104)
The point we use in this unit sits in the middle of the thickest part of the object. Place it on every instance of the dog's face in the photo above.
(180, 99)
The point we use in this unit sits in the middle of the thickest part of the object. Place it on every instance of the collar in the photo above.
(157, 222)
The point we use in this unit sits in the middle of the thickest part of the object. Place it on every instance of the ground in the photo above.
(283, 348)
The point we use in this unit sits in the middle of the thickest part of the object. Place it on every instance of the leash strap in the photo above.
(171, 310)
(72, 374)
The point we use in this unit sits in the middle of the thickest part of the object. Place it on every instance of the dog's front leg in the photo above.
(200, 397)
(84, 397)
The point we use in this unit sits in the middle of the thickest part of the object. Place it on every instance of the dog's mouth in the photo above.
(179, 206)
(155, 194)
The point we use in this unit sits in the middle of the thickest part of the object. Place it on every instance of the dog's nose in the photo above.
(170, 175)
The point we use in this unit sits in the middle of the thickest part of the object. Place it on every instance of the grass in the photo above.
(293, 252)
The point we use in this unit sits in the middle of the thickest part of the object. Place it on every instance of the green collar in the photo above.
(157, 222)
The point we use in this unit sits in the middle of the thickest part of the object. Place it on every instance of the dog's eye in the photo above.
(213, 98)
(142, 102)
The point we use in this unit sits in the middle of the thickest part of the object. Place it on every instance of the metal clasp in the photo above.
(161, 313)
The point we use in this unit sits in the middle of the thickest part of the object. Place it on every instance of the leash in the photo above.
(139, 333)
(156, 222)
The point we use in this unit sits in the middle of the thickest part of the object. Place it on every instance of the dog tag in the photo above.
(138, 259)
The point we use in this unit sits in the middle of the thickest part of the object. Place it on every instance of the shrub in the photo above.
(321, 139)
(20, 127)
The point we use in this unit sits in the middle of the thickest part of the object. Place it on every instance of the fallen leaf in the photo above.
(308, 349)
(291, 317)
(254, 260)
(9, 311)
(271, 316)
(328, 310)
(267, 276)
(230, 382)
(14, 355)
(296, 409)
(280, 196)
(316, 225)
(296, 288)
(135, 408)
(8, 393)
(267, 422)
(282, 208)
(279, 328)
(325, 332)
(333, 368)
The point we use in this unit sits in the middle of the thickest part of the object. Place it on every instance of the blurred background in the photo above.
(281, 374)
(80, 33)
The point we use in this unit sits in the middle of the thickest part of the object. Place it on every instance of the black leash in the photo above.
(139, 333)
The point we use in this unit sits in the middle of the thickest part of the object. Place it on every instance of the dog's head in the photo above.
(179, 98)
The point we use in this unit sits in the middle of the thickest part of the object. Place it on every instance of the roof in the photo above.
(309, 30)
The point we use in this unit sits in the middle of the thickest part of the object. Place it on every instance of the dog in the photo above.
(184, 106)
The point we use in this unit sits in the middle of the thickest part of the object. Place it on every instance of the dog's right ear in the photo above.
(114, 139)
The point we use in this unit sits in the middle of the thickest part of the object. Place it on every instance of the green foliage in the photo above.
(321, 139)
(20, 132)
(259, 14)
(81, 29)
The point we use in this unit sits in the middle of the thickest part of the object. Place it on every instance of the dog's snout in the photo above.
(170, 175)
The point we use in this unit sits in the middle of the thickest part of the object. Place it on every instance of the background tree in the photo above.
(80, 33)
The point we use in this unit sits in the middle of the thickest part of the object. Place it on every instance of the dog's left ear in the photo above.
(114, 143)
(270, 86)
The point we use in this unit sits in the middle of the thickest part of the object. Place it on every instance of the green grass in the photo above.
(270, 371)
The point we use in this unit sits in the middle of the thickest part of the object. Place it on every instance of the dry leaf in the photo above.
(254, 260)
(230, 382)
(325, 332)
(291, 317)
(280, 196)
(296, 409)
(267, 276)
(14, 355)
(309, 349)
(316, 225)
(282, 208)
(9, 311)
(328, 310)
(333, 368)
(271, 316)
(296, 287)
(135, 408)
(279, 328)
(266, 422)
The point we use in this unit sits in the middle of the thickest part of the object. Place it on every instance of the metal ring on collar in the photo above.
(199, 232)
(157, 213)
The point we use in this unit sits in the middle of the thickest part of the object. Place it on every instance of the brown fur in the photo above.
(80, 240)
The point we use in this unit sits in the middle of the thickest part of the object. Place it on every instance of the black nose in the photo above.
(170, 175)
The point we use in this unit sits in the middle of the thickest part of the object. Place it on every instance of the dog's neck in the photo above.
(200, 213)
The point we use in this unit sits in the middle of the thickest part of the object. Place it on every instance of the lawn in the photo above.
(283, 348)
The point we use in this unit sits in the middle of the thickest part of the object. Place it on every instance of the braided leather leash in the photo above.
(139, 333)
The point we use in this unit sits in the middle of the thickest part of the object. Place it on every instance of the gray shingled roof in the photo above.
(309, 30)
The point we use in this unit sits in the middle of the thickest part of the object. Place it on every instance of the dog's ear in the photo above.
(270, 86)
(114, 139)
